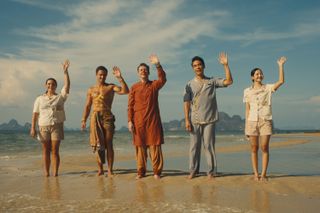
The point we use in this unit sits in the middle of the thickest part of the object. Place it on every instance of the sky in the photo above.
(38, 35)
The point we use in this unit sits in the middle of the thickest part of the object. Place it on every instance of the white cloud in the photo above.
(19, 80)
(314, 100)
(100, 32)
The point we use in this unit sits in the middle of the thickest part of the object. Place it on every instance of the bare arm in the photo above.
(124, 87)
(86, 110)
(187, 115)
(65, 67)
(280, 62)
(247, 116)
(161, 74)
(247, 110)
(223, 59)
(34, 120)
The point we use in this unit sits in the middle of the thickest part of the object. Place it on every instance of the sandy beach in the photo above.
(78, 189)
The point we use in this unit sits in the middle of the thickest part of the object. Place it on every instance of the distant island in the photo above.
(225, 124)
(13, 125)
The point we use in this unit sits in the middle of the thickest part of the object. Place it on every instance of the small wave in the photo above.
(176, 136)
(7, 157)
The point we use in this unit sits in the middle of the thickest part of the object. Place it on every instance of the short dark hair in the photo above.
(198, 58)
(145, 65)
(253, 71)
(101, 68)
(52, 79)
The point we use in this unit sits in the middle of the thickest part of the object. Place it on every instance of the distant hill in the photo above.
(13, 125)
(225, 124)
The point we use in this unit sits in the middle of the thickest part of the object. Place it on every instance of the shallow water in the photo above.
(77, 189)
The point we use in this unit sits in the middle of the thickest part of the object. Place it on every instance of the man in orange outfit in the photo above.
(144, 120)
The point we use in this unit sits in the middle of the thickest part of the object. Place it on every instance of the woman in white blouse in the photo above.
(259, 116)
(48, 113)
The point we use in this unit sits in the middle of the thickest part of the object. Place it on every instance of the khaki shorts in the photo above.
(52, 132)
(261, 127)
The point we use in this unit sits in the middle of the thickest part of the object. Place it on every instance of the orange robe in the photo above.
(144, 113)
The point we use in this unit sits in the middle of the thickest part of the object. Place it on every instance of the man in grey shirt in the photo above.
(201, 113)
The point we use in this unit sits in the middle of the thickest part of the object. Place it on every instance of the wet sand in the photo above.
(78, 189)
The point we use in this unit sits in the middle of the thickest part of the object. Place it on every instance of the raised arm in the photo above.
(65, 67)
(161, 74)
(86, 110)
(280, 62)
(223, 59)
(124, 87)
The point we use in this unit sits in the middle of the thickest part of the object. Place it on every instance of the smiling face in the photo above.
(51, 85)
(101, 76)
(257, 76)
(198, 68)
(143, 72)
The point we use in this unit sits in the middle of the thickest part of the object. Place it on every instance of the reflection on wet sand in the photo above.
(260, 201)
(51, 188)
(106, 187)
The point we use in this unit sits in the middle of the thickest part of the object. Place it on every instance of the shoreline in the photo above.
(77, 188)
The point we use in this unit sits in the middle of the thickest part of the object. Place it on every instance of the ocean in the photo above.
(296, 159)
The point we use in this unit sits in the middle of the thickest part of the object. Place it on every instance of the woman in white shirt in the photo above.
(259, 116)
(48, 113)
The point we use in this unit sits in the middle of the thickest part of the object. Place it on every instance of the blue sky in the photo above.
(37, 35)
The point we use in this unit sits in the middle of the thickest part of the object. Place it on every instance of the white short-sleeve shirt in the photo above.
(260, 102)
(50, 109)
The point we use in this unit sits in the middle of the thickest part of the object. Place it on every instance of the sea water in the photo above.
(300, 159)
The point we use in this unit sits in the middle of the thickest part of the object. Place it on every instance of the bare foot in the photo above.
(55, 175)
(263, 178)
(192, 175)
(157, 177)
(210, 176)
(110, 174)
(139, 177)
(100, 173)
(256, 178)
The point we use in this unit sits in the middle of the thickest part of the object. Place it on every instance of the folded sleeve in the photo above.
(245, 96)
(36, 105)
(187, 96)
(64, 93)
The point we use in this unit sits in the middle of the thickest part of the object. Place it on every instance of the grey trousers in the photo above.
(202, 133)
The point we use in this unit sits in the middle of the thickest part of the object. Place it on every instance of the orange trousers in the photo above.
(156, 157)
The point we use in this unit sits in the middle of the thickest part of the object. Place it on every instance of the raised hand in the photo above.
(116, 72)
(65, 65)
(154, 59)
(223, 58)
(281, 60)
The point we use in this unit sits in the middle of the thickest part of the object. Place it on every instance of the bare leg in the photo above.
(254, 140)
(110, 151)
(265, 155)
(46, 148)
(55, 145)
(100, 166)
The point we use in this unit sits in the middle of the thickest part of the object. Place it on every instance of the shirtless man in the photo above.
(100, 96)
